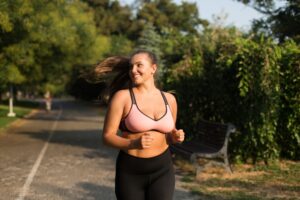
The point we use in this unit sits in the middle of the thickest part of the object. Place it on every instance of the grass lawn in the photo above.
(21, 109)
(277, 181)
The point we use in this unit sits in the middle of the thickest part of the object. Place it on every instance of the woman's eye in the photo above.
(139, 65)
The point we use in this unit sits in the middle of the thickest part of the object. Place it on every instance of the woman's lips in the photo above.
(136, 76)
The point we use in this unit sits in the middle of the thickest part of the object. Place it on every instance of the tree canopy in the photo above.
(281, 22)
(41, 41)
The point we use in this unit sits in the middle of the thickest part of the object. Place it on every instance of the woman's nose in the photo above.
(133, 68)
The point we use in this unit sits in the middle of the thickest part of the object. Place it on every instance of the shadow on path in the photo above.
(79, 191)
(88, 139)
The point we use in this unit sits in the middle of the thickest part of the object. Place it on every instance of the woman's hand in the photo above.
(146, 140)
(177, 136)
(143, 142)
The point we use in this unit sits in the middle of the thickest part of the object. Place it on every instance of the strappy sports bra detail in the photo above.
(136, 121)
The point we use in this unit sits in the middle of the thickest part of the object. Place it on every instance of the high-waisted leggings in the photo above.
(144, 178)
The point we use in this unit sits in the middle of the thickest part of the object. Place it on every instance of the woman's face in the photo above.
(142, 68)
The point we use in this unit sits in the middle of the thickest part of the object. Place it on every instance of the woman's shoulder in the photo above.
(170, 96)
(121, 95)
(122, 92)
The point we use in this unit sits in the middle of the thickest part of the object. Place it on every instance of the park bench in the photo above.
(210, 143)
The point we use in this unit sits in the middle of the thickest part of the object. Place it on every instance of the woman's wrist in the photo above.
(133, 144)
(170, 138)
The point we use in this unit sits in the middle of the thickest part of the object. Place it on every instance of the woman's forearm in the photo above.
(118, 142)
(169, 139)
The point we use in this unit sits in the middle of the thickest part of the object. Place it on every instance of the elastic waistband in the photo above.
(139, 165)
(167, 151)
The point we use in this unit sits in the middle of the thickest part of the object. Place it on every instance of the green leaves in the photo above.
(41, 41)
(14, 75)
(253, 84)
(281, 22)
(5, 23)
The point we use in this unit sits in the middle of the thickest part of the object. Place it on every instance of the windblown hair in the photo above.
(114, 71)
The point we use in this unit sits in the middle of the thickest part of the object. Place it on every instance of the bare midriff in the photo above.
(158, 146)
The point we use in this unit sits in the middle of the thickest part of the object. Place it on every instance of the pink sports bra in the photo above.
(136, 121)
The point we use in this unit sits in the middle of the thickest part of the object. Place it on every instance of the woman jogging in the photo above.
(146, 117)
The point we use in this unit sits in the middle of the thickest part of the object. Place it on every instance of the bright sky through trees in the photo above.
(237, 13)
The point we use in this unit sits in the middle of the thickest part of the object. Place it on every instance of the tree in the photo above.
(150, 40)
(166, 14)
(110, 16)
(41, 41)
(282, 23)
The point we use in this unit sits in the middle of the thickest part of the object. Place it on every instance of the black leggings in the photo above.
(144, 178)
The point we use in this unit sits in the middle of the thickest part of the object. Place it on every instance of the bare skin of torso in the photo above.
(159, 145)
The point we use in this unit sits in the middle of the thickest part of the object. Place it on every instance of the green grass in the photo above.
(277, 181)
(21, 108)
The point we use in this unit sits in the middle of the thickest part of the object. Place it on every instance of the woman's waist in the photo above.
(151, 152)
(141, 165)
(159, 144)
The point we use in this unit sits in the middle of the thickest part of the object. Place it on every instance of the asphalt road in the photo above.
(60, 156)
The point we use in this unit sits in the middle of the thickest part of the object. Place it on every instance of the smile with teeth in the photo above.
(136, 75)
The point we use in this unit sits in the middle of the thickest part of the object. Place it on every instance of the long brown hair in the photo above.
(114, 71)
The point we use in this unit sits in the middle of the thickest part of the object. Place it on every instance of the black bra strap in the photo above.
(164, 97)
(134, 101)
(132, 96)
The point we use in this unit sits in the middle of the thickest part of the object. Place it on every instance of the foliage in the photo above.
(289, 116)
(275, 25)
(166, 14)
(114, 19)
(119, 45)
(257, 72)
(35, 50)
(232, 78)
(110, 16)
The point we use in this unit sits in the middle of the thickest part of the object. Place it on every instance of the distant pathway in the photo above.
(60, 156)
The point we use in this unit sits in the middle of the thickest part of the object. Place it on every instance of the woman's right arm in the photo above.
(111, 124)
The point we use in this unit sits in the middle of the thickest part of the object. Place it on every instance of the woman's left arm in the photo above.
(175, 136)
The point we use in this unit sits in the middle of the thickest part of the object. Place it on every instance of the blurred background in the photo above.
(227, 61)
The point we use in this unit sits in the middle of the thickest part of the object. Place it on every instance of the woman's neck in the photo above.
(146, 87)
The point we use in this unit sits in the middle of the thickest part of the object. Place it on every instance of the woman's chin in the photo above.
(136, 81)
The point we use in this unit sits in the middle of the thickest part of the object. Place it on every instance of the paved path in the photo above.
(60, 156)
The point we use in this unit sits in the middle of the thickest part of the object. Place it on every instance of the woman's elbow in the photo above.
(105, 139)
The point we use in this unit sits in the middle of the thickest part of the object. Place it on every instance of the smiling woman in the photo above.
(146, 117)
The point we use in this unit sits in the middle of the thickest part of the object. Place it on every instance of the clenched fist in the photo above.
(145, 140)
(177, 136)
